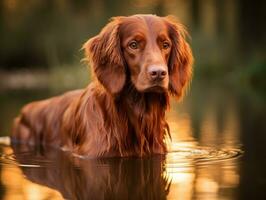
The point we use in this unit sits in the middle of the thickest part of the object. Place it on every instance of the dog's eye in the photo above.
(133, 45)
(166, 45)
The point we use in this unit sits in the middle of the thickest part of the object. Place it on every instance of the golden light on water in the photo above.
(220, 127)
(182, 186)
(207, 182)
(180, 128)
(17, 186)
(190, 180)
(231, 126)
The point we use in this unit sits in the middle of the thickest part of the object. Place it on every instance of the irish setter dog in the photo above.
(138, 62)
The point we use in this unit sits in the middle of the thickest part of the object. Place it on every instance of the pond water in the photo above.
(216, 152)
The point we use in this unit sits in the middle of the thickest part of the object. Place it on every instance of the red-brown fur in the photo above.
(121, 113)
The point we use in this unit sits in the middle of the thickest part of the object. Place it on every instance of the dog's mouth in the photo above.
(156, 89)
(151, 87)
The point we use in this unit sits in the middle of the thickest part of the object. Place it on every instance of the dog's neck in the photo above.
(143, 100)
(145, 113)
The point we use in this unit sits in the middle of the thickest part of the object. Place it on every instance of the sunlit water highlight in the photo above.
(189, 155)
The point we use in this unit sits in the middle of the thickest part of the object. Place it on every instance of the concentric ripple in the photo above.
(198, 155)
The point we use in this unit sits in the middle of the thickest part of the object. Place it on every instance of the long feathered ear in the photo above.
(105, 54)
(181, 58)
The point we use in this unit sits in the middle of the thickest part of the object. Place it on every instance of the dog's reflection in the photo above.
(75, 178)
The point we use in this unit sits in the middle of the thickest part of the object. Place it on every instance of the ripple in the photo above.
(196, 155)
(10, 160)
(23, 158)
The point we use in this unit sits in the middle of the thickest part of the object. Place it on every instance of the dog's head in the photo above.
(151, 49)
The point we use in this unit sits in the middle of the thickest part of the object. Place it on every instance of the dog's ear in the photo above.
(181, 58)
(105, 54)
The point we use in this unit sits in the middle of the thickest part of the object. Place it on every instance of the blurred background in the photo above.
(40, 56)
(227, 36)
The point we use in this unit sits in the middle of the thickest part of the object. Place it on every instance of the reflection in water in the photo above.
(76, 178)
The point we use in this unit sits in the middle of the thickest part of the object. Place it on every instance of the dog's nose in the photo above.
(157, 72)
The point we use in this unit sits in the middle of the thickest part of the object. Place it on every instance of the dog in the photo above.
(139, 62)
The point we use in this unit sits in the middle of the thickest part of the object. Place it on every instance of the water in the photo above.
(156, 177)
(216, 152)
